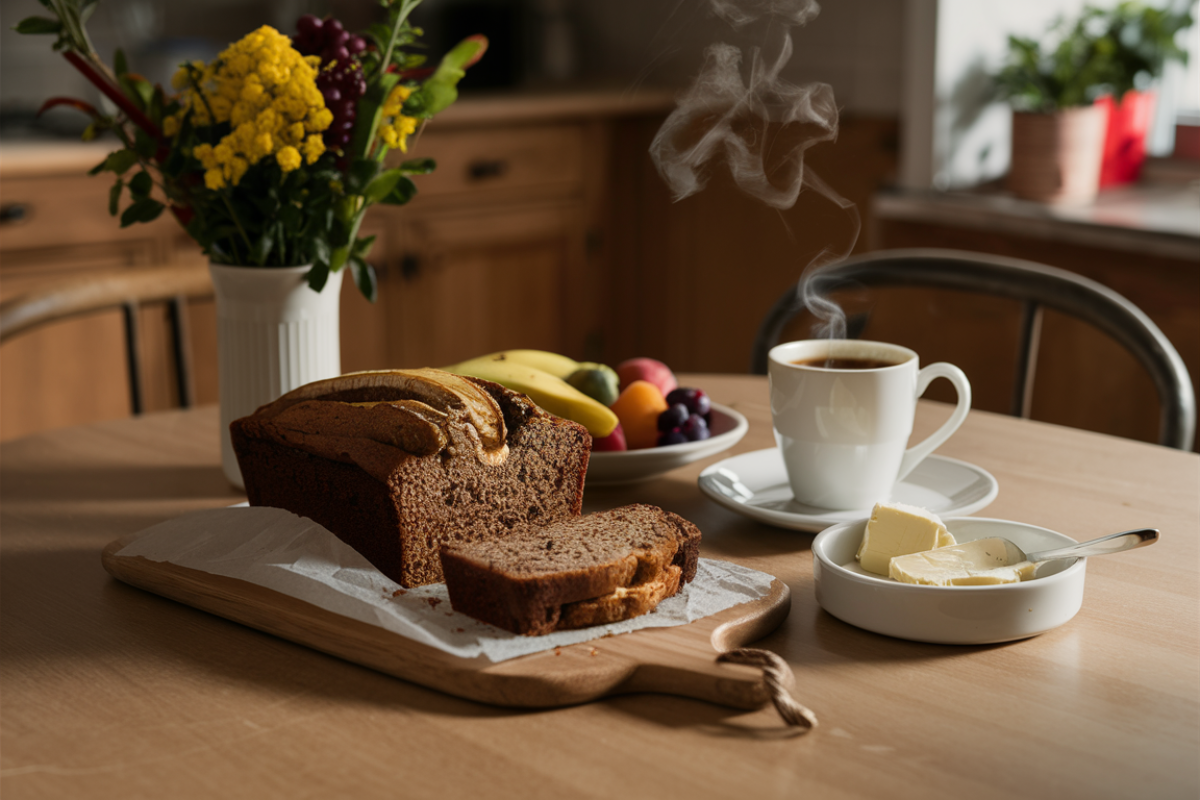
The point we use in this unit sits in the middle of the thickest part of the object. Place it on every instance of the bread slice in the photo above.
(591, 570)
(397, 463)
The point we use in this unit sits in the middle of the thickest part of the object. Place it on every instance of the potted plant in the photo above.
(1053, 85)
(269, 156)
(1142, 40)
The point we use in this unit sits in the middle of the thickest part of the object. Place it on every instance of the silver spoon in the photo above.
(1113, 543)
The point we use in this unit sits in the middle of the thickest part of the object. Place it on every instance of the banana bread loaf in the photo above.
(590, 570)
(398, 463)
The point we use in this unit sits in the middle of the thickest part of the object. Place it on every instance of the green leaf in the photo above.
(339, 256)
(145, 210)
(120, 65)
(318, 276)
(119, 162)
(440, 90)
(144, 145)
(361, 173)
(404, 191)
(418, 166)
(38, 25)
(362, 247)
(364, 278)
(263, 245)
(114, 197)
(380, 33)
(141, 185)
(321, 250)
(382, 185)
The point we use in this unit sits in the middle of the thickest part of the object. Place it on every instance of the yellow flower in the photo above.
(267, 92)
(288, 158)
(314, 147)
(396, 134)
(395, 100)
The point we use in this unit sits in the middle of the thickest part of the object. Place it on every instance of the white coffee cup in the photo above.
(843, 432)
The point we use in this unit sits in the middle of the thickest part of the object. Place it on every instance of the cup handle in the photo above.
(917, 453)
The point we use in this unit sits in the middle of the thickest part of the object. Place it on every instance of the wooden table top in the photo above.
(108, 691)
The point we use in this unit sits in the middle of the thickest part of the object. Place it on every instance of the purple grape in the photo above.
(671, 437)
(673, 417)
(309, 25)
(696, 401)
(695, 429)
(340, 82)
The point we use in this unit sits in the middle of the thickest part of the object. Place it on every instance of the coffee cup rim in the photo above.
(881, 348)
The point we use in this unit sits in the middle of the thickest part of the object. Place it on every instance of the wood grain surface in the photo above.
(107, 691)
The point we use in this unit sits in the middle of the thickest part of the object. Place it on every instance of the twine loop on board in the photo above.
(778, 677)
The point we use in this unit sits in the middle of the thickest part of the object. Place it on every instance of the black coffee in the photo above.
(845, 363)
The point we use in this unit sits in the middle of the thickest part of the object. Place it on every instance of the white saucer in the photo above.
(756, 485)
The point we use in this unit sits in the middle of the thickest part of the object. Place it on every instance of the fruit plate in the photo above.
(631, 466)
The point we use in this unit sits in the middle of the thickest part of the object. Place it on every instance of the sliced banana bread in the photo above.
(590, 570)
(398, 463)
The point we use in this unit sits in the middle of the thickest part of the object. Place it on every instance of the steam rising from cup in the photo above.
(746, 119)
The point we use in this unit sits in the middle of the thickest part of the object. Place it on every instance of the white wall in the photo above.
(853, 45)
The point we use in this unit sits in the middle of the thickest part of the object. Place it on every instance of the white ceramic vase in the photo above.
(274, 334)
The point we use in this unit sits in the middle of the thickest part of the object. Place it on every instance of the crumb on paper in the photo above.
(399, 592)
(434, 602)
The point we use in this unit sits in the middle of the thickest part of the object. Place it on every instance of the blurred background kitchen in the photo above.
(548, 225)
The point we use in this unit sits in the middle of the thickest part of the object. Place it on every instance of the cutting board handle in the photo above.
(724, 672)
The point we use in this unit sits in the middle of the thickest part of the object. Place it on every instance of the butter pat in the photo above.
(983, 562)
(896, 529)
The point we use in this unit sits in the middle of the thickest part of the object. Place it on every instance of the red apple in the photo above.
(646, 369)
(613, 442)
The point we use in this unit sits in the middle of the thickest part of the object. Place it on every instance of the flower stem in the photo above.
(113, 93)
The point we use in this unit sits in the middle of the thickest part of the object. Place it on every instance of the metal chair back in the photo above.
(1036, 287)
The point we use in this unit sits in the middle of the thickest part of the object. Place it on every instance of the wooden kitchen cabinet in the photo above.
(505, 245)
(489, 254)
(692, 279)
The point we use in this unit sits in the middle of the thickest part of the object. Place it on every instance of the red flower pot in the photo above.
(1125, 138)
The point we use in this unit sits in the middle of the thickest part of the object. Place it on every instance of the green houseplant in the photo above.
(1054, 84)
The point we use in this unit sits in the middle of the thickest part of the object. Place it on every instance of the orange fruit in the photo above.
(638, 407)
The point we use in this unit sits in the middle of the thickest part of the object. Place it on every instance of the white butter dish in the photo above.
(949, 614)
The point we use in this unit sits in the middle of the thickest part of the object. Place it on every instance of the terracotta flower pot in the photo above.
(1056, 157)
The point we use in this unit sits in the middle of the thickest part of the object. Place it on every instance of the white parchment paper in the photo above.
(295, 556)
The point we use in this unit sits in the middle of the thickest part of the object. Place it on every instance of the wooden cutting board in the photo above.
(678, 660)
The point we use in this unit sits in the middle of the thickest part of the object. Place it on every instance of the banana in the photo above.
(557, 365)
(551, 393)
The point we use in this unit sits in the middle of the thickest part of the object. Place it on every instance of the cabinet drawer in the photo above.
(66, 210)
(544, 160)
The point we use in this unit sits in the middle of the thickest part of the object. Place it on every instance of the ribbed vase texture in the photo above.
(274, 334)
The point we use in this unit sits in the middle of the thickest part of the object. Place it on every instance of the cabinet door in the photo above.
(459, 285)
